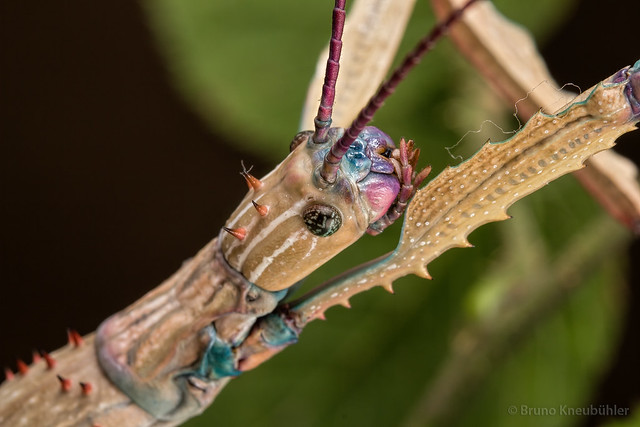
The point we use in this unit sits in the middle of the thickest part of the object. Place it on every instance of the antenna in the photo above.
(332, 159)
(322, 121)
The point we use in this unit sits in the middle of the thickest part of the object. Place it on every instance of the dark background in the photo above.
(108, 178)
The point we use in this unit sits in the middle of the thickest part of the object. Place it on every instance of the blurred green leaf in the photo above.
(245, 66)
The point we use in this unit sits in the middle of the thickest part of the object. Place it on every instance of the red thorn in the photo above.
(252, 182)
(51, 362)
(36, 357)
(77, 338)
(8, 374)
(74, 338)
(87, 388)
(22, 367)
(238, 233)
(65, 383)
(263, 210)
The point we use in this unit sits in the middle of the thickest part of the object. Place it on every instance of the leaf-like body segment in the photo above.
(479, 190)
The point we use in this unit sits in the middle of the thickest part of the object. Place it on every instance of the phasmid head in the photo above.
(291, 222)
(335, 185)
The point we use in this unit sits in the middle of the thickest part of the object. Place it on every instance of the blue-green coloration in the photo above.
(218, 359)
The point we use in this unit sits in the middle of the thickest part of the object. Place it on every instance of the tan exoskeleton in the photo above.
(163, 359)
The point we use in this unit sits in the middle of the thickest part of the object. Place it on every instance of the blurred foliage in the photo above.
(529, 317)
(245, 67)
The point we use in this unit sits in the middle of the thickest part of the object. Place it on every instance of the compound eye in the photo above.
(322, 220)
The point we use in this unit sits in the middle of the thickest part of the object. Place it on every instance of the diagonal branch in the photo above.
(508, 59)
